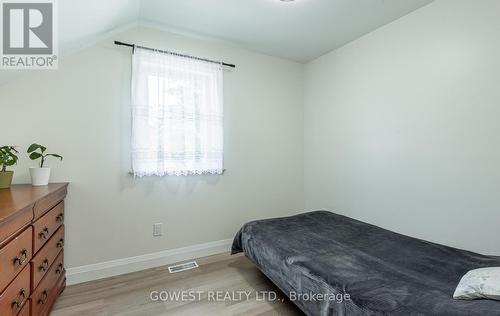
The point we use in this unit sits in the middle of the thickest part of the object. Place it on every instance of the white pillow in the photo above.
(479, 283)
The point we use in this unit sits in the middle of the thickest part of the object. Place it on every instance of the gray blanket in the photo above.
(360, 269)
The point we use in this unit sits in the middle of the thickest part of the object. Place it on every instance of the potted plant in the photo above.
(8, 158)
(40, 175)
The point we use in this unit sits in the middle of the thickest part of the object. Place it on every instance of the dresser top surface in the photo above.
(20, 196)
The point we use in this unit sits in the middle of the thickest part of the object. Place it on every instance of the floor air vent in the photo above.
(183, 267)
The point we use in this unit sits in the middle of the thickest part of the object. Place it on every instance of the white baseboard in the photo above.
(152, 260)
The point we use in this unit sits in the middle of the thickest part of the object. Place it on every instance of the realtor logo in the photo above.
(28, 34)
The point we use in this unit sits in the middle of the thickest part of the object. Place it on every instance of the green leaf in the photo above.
(33, 147)
(34, 156)
(10, 162)
(8, 156)
(55, 155)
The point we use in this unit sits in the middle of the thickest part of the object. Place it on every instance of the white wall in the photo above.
(402, 126)
(82, 112)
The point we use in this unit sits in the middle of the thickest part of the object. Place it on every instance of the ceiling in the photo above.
(301, 30)
(83, 22)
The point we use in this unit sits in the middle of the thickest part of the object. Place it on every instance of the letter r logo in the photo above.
(27, 28)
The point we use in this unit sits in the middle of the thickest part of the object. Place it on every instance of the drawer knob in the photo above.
(17, 302)
(44, 266)
(59, 269)
(60, 217)
(45, 297)
(20, 260)
(44, 233)
(60, 243)
(22, 294)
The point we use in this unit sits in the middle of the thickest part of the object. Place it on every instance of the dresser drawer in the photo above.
(47, 225)
(46, 292)
(14, 256)
(42, 261)
(52, 297)
(48, 201)
(15, 223)
(16, 294)
(25, 311)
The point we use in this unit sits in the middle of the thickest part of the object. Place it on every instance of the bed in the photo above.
(329, 264)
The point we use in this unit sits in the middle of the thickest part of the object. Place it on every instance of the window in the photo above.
(177, 115)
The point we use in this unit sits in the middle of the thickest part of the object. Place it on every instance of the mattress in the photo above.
(329, 264)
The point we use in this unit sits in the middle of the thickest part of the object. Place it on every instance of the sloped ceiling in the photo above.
(82, 22)
(300, 30)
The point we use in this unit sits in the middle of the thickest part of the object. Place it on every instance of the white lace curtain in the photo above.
(177, 115)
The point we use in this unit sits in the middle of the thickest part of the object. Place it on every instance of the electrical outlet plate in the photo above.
(157, 229)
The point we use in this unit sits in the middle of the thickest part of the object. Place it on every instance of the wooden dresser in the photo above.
(32, 273)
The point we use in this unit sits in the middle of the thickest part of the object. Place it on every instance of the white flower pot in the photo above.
(39, 176)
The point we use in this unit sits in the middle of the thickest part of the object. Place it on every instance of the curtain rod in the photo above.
(172, 53)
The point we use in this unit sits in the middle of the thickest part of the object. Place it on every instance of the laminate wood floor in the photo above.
(218, 275)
